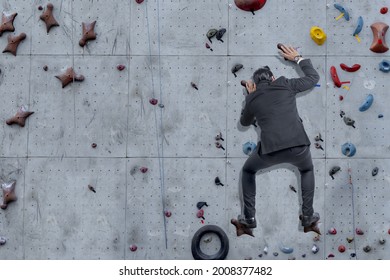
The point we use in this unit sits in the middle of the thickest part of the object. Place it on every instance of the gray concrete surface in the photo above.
(162, 45)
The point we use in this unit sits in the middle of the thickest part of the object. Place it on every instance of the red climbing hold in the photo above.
(341, 248)
(200, 214)
(341, 98)
(153, 101)
(143, 169)
(120, 67)
(250, 5)
(167, 213)
(139, 1)
(388, 231)
(133, 248)
(384, 10)
(332, 231)
(359, 231)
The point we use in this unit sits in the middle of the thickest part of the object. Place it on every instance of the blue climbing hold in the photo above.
(342, 11)
(367, 103)
(384, 66)
(359, 26)
(348, 149)
(248, 148)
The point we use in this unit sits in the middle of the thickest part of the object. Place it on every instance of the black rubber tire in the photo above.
(195, 246)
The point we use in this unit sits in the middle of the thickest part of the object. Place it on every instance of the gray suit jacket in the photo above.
(275, 109)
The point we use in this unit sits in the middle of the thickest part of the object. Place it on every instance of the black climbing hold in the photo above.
(195, 246)
(318, 137)
(380, 116)
(200, 204)
(218, 181)
(276, 254)
(292, 188)
(219, 137)
(220, 34)
(349, 121)
(353, 255)
(367, 249)
(261, 255)
(211, 33)
(375, 171)
(342, 113)
(334, 170)
(304, 256)
(236, 68)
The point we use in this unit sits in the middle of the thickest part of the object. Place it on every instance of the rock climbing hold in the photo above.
(217, 181)
(353, 255)
(20, 117)
(40, 8)
(7, 23)
(2, 240)
(315, 249)
(200, 214)
(384, 66)
(349, 239)
(161, 105)
(379, 41)
(250, 5)
(335, 77)
(13, 43)
(91, 188)
(265, 250)
(384, 10)
(236, 68)
(343, 12)
(220, 34)
(219, 137)
(94, 145)
(167, 213)
(358, 28)
(304, 256)
(208, 47)
(211, 33)
(275, 254)
(350, 122)
(153, 101)
(69, 76)
(318, 137)
(8, 193)
(194, 86)
(341, 248)
(382, 241)
(248, 148)
(332, 231)
(219, 146)
(286, 249)
(260, 255)
(45, 68)
(333, 171)
(342, 113)
(341, 98)
(359, 231)
(348, 149)
(208, 239)
(241, 229)
(143, 169)
(388, 231)
(88, 33)
(353, 68)
(139, 1)
(367, 248)
(318, 35)
(292, 188)
(380, 116)
(317, 238)
(374, 172)
(120, 67)
(369, 84)
(133, 248)
(200, 204)
(318, 146)
(330, 256)
(367, 103)
(48, 18)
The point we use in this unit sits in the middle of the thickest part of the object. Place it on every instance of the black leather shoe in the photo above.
(249, 223)
(310, 220)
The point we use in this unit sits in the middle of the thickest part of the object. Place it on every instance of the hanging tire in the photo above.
(195, 246)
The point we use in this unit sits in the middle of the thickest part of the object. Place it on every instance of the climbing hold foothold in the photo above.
(343, 12)
(248, 148)
(250, 5)
(211, 33)
(353, 255)
(200, 214)
(167, 213)
(382, 241)
(380, 116)
(367, 103)
(332, 231)
(265, 250)
(94, 145)
(367, 248)
(40, 8)
(330, 256)
(275, 254)
(2, 240)
(139, 1)
(194, 85)
(13, 43)
(315, 249)
(153, 101)
(143, 169)
(359, 231)
(91, 188)
(388, 231)
(88, 33)
(384, 66)
(120, 67)
(375, 171)
(220, 34)
(236, 68)
(348, 149)
(304, 256)
(8, 193)
(318, 35)
(20, 117)
(217, 181)
(48, 17)
(348, 121)
(286, 249)
(219, 137)
(384, 10)
(335, 77)
(200, 204)
(318, 137)
(69, 76)
(196, 240)
(334, 170)
(379, 41)
(7, 22)
(358, 28)
(45, 67)
(293, 188)
(353, 68)
(349, 239)
(208, 47)
(133, 248)
(341, 248)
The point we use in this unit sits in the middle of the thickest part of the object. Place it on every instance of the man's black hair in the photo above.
(262, 74)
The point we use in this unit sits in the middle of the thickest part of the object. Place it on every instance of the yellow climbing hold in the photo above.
(318, 35)
(346, 87)
(357, 38)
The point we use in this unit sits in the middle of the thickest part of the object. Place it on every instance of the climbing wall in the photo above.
(102, 173)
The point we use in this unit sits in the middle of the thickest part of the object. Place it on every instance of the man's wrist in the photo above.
(297, 58)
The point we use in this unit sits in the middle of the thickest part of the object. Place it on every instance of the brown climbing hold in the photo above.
(88, 33)
(7, 23)
(48, 18)
(13, 43)
(69, 76)
(8, 193)
(241, 229)
(20, 117)
(379, 42)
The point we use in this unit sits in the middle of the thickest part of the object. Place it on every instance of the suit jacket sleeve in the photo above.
(247, 117)
(307, 82)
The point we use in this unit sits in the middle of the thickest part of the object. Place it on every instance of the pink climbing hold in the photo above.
(139, 1)
(153, 101)
(332, 231)
(133, 248)
(143, 169)
(168, 213)
(200, 214)
(341, 248)
(359, 231)
(120, 67)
